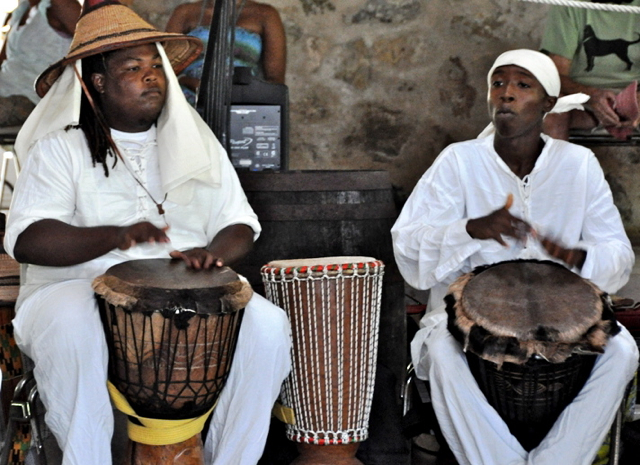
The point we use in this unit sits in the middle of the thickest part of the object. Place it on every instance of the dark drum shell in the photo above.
(171, 333)
(531, 331)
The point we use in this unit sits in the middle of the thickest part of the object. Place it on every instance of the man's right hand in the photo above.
(138, 233)
(499, 223)
(50, 242)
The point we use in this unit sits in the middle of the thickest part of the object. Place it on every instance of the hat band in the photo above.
(110, 36)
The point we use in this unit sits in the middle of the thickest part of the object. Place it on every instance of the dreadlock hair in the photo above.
(90, 124)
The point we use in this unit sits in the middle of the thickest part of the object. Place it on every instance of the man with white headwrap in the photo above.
(458, 218)
(77, 210)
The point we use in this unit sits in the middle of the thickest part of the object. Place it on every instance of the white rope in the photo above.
(589, 5)
(328, 307)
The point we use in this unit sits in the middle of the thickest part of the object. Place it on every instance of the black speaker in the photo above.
(258, 123)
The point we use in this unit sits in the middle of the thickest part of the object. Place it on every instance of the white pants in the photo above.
(478, 436)
(59, 327)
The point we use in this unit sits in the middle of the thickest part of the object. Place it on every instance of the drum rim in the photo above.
(345, 265)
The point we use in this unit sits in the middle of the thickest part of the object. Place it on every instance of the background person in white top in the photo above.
(40, 33)
(457, 219)
(76, 211)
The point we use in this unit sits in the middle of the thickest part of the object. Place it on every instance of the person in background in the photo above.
(260, 41)
(40, 33)
(597, 53)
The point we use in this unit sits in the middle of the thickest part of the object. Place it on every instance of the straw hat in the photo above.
(106, 25)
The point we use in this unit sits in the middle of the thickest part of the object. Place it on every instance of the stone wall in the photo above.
(387, 84)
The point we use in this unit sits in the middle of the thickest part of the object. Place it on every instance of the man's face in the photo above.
(133, 90)
(517, 101)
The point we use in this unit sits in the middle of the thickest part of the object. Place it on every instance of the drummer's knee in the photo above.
(267, 322)
(624, 349)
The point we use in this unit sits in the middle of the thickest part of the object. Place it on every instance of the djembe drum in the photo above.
(531, 331)
(171, 333)
(333, 304)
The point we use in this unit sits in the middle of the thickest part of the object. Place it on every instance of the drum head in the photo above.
(511, 311)
(320, 261)
(518, 298)
(155, 284)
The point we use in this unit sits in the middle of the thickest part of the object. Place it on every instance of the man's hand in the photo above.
(198, 259)
(601, 104)
(572, 257)
(138, 233)
(499, 223)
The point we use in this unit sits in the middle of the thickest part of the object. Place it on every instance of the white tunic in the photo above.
(565, 197)
(59, 181)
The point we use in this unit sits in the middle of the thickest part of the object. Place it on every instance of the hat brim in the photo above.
(181, 50)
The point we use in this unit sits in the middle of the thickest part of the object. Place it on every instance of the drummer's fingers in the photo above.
(182, 256)
(554, 249)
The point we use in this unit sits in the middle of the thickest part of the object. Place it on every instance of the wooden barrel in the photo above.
(309, 214)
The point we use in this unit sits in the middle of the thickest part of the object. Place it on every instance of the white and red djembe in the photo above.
(531, 331)
(171, 332)
(333, 304)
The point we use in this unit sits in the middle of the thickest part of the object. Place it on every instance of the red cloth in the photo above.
(627, 312)
(626, 106)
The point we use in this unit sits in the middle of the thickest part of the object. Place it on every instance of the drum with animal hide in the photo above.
(531, 331)
(333, 304)
(171, 333)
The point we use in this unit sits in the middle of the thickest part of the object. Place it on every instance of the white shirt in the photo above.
(30, 49)
(565, 197)
(60, 182)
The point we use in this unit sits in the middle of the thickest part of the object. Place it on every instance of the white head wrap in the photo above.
(544, 70)
(187, 148)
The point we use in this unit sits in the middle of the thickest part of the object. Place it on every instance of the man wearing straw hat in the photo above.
(126, 169)
(514, 194)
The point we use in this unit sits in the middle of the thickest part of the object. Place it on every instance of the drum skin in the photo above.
(511, 311)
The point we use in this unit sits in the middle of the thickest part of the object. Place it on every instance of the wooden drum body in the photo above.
(531, 331)
(333, 304)
(171, 333)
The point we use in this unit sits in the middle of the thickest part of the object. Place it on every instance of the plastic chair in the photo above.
(7, 139)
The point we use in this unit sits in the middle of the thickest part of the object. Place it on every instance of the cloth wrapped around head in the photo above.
(544, 70)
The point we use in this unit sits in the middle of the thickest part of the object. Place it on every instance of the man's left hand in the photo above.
(572, 257)
(198, 259)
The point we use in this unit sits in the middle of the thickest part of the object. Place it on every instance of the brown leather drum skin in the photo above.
(511, 311)
(171, 333)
